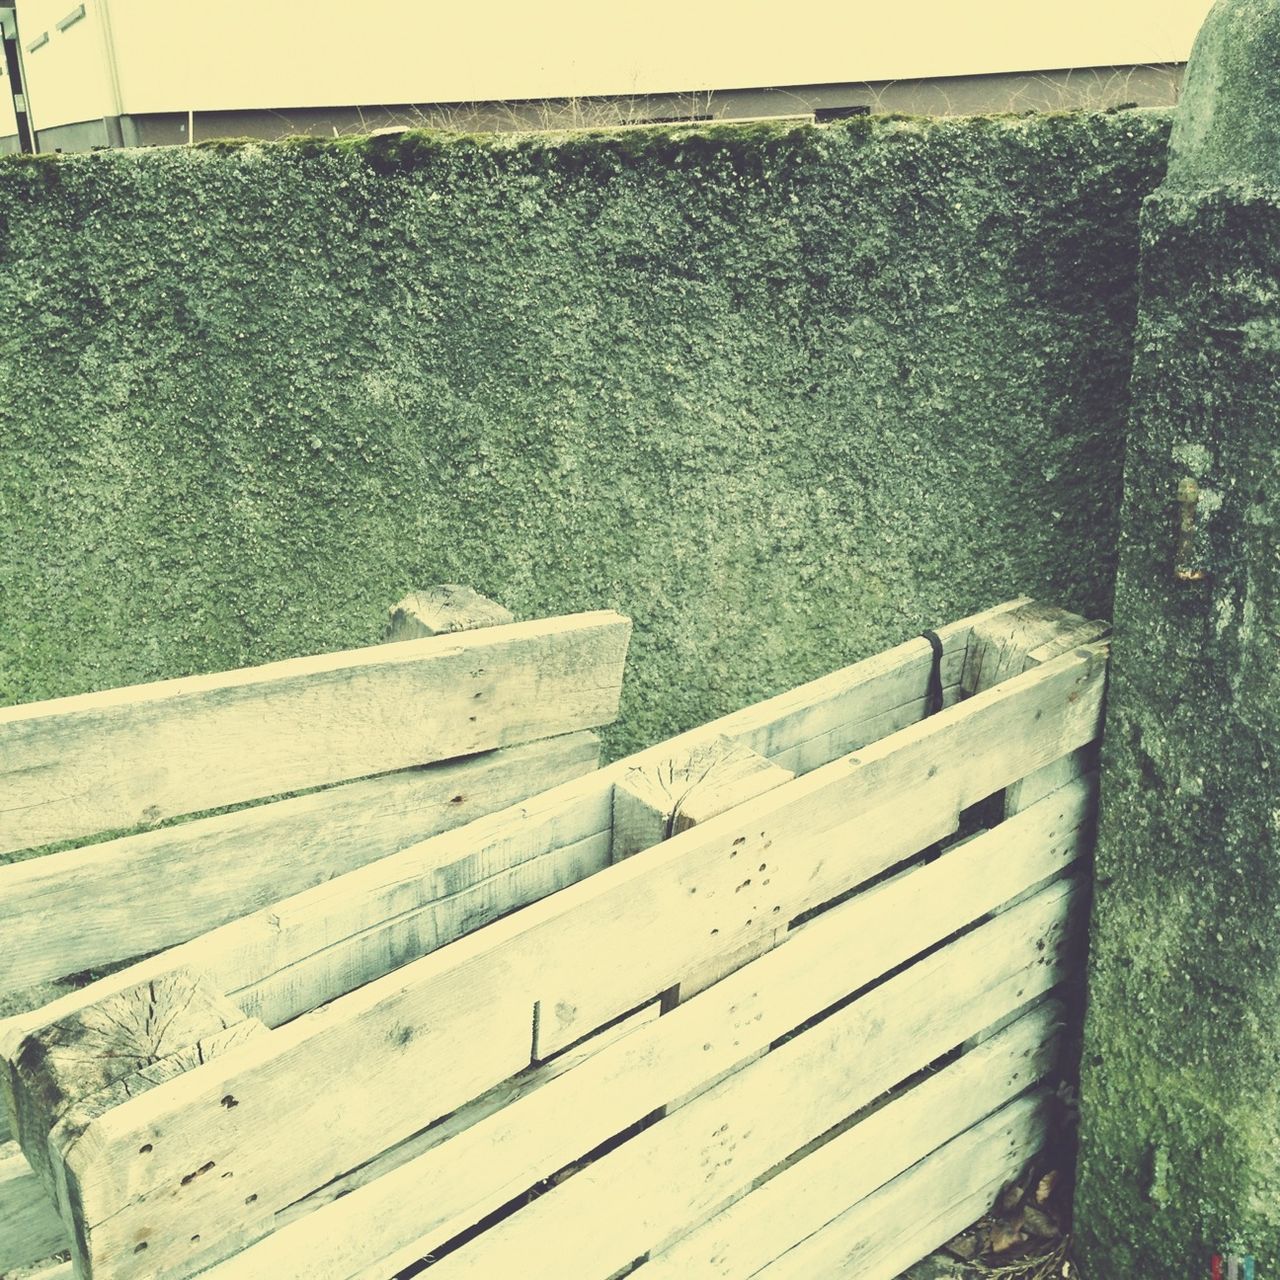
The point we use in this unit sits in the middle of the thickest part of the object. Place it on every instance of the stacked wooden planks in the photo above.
(392, 743)
(735, 1019)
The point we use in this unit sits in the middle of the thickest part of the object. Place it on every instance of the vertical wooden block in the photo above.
(98, 1046)
(1009, 644)
(654, 803)
(437, 611)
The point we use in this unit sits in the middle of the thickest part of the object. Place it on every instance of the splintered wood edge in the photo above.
(442, 610)
(92, 1049)
(655, 801)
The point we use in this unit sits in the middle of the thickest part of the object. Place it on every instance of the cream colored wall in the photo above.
(67, 79)
(176, 55)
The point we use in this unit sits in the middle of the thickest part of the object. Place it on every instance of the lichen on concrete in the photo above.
(1181, 1074)
(786, 395)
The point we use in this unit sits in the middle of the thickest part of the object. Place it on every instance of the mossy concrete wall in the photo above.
(1181, 1075)
(784, 395)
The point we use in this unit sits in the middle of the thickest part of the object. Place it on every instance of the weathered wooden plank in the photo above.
(94, 906)
(343, 916)
(1006, 644)
(876, 1238)
(442, 610)
(638, 920)
(1017, 641)
(129, 757)
(678, 1172)
(768, 1219)
(90, 1050)
(30, 1228)
(429, 1199)
(451, 914)
(504, 1095)
(655, 802)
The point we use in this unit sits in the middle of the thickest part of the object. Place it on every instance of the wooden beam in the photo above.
(91, 1050)
(644, 922)
(442, 610)
(1018, 640)
(135, 756)
(30, 1228)
(675, 1174)
(655, 802)
(90, 907)
(838, 952)
(305, 950)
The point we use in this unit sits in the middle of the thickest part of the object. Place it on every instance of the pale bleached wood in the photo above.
(766, 1220)
(85, 1053)
(1016, 641)
(467, 1117)
(1006, 644)
(442, 610)
(847, 706)
(30, 1229)
(90, 907)
(679, 1172)
(452, 914)
(638, 921)
(923, 1207)
(430, 1199)
(846, 737)
(129, 757)
(651, 804)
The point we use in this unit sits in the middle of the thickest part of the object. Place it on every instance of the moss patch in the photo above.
(785, 395)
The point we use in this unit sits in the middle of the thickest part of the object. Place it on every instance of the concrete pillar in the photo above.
(1180, 1087)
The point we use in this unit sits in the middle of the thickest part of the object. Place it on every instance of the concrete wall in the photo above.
(784, 395)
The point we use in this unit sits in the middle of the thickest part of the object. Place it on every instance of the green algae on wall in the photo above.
(785, 395)
(1180, 1088)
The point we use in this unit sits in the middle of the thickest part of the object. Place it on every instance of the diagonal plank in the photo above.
(128, 757)
(304, 950)
(804, 1196)
(845, 947)
(419, 1206)
(878, 1237)
(675, 1174)
(85, 908)
(644, 922)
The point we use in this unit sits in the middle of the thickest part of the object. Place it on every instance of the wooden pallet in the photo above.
(731, 1052)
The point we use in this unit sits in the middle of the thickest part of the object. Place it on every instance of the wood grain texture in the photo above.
(128, 757)
(86, 908)
(387, 908)
(767, 1220)
(442, 610)
(30, 1228)
(836, 953)
(878, 1237)
(644, 922)
(655, 802)
(88, 1051)
(676, 1174)
(1016, 641)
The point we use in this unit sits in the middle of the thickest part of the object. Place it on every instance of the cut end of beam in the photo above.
(440, 610)
(655, 802)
